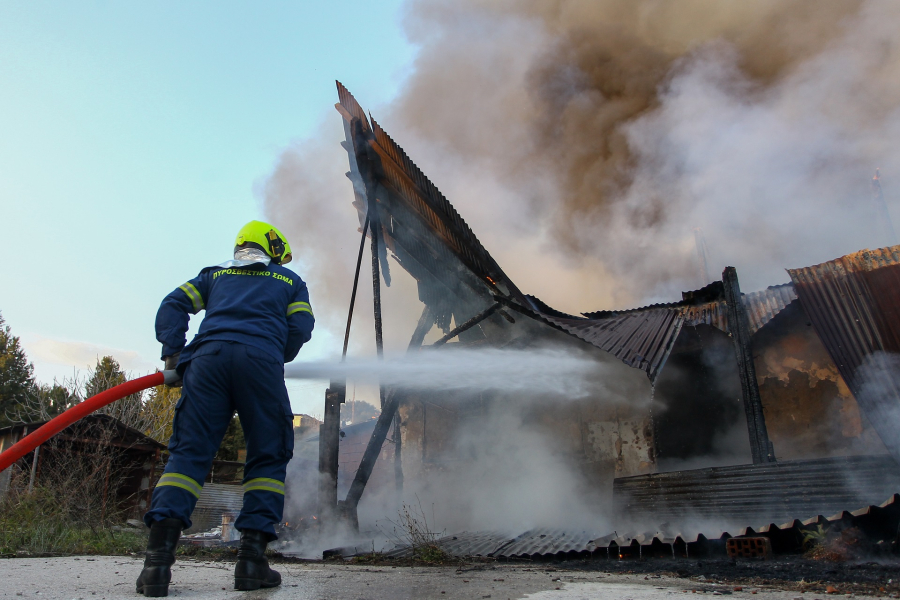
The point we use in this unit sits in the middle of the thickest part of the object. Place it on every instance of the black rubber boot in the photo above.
(154, 579)
(252, 569)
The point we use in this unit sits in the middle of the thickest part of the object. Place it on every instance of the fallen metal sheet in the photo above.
(542, 542)
(764, 493)
(466, 543)
(879, 522)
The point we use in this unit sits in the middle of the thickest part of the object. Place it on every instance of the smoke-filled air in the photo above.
(584, 141)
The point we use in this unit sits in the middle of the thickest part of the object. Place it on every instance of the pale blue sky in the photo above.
(132, 137)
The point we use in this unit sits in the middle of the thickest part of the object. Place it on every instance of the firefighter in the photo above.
(257, 318)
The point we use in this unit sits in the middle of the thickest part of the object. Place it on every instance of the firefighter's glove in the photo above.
(171, 363)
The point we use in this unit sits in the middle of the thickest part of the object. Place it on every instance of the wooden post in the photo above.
(329, 442)
(376, 278)
(760, 446)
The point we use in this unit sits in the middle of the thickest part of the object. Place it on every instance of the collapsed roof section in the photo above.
(643, 337)
(456, 275)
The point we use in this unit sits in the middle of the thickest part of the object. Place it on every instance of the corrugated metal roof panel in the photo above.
(879, 521)
(544, 542)
(641, 339)
(466, 543)
(766, 492)
(711, 313)
(438, 218)
(853, 304)
(761, 307)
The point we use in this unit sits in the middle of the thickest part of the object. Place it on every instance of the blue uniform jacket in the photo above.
(266, 307)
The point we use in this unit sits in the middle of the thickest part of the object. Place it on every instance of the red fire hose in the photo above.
(81, 410)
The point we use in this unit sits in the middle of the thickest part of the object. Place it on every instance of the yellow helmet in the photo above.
(267, 238)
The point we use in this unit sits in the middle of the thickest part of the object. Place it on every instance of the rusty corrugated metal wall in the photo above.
(853, 303)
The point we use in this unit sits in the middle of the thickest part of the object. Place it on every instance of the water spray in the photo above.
(80, 411)
(536, 371)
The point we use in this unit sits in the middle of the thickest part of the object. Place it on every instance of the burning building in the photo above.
(782, 382)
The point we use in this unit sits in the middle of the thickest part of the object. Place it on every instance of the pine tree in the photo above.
(16, 373)
(130, 409)
(107, 374)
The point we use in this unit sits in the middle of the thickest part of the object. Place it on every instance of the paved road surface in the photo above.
(106, 578)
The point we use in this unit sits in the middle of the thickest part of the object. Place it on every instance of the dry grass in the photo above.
(411, 529)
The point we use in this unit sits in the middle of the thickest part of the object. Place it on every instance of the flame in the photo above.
(491, 280)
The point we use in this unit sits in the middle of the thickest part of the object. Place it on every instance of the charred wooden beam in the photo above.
(373, 449)
(426, 320)
(472, 323)
(362, 246)
(760, 446)
(329, 441)
(376, 279)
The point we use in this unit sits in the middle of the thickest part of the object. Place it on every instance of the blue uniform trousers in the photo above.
(222, 377)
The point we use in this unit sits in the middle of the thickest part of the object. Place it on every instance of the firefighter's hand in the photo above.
(171, 362)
